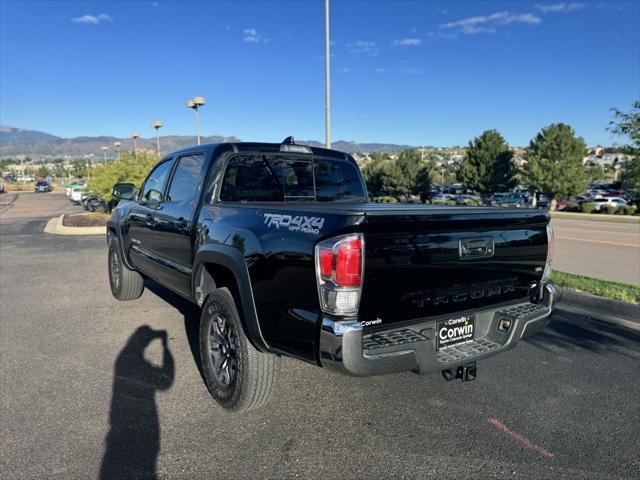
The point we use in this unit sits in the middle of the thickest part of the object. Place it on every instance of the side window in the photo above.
(154, 185)
(187, 178)
(250, 178)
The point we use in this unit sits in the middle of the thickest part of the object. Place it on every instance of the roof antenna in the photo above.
(288, 141)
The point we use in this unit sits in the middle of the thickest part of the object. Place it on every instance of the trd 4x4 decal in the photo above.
(299, 223)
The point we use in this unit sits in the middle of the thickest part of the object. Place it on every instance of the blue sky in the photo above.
(432, 73)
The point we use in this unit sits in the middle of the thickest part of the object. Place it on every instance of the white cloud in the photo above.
(559, 7)
(363, 47)
(251, 36)
(92, 19)
(406, 42)
(154, 4)
(489, 23)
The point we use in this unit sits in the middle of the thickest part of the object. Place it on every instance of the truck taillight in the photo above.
(546, 275)
(339, 268)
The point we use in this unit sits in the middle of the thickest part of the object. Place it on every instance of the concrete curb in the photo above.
(612, 311)
(56, 227)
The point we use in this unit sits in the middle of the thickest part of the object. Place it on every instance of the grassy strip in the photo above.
(597, 217)
(595, 286)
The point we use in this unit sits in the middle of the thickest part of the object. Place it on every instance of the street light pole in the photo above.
(117, 145)
(104, 150)
(327, 79)
(135, 136)
(195, 103)
(157, 124)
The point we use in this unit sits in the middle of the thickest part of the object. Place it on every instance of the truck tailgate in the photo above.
(423, 262)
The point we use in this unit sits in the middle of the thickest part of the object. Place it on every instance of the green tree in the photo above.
(554, 163)
(128, 169)
(402, 176)
(372, 173)
(488, 164)
(627, 124)
(423, 181)
(631, 175)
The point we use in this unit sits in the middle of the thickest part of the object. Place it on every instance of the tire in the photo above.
(239, 377)
(125, 284)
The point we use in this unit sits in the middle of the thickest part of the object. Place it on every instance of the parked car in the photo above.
(77, 194)
(42, 186)
(468, 200)
(543, 201)
(279, 248)
(507, 200)
(611, 201)
(442, 197)
(69, 188)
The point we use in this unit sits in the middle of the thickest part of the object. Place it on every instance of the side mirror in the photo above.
(124, 191)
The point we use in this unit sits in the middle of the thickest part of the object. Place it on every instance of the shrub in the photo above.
(588, 207)
(607, 209)
(574, 207)
(628, 210)
(443, 202)
(128, 169)
(384, 199)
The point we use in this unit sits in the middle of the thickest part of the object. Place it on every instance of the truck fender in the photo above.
(232, 259)
(114, 230)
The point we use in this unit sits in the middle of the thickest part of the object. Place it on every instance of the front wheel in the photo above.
(126, 284)
(239, 377)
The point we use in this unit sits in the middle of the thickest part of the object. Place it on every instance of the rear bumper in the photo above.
(344, 347)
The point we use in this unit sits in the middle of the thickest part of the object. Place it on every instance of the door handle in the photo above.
(182, 222)
(149, 219)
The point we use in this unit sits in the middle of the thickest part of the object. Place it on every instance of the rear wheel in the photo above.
(126, 284)
(239, 377)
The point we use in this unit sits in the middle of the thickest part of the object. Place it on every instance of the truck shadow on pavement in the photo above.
(570, 331)
(133, 441)
(191, 314)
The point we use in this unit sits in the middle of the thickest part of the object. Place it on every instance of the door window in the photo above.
(187, 178)
(154, 185)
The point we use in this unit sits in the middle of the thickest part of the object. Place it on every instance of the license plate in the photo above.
(455, 331)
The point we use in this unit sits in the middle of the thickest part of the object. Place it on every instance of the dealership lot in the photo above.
(74, 363)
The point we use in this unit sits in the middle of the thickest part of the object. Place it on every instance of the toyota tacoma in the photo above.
(279, 247)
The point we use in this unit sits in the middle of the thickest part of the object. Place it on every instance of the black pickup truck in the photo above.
(279, 246)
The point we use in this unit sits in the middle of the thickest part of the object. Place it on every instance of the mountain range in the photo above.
(17, 141)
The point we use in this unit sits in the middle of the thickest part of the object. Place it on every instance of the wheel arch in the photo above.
(220, 266)
(114, 232)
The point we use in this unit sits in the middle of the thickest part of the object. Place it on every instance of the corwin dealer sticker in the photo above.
(455, 331)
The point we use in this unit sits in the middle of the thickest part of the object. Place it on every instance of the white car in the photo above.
(611, 201)
(77, 195)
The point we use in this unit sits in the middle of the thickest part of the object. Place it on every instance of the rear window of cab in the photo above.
(290, 178)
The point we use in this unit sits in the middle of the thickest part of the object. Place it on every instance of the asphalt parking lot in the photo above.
(87, 391)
